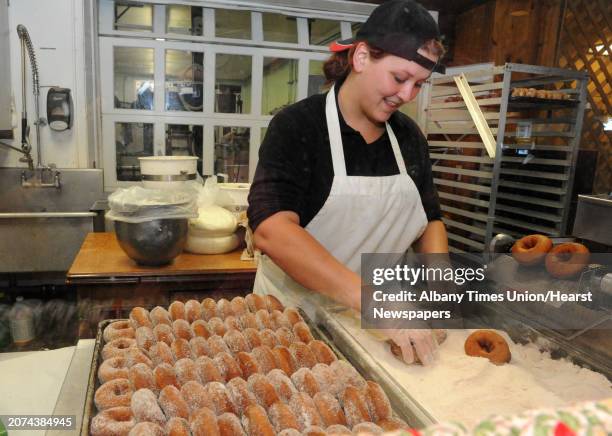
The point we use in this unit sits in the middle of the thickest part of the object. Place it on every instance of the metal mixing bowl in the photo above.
(154, 242)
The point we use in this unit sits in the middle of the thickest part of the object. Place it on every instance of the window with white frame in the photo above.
(205, 80)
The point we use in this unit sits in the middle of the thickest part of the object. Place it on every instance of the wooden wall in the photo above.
(562, 33)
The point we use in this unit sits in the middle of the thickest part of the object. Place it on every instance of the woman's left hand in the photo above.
(415, 343)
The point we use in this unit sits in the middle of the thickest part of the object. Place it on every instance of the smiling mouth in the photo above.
(392, 103)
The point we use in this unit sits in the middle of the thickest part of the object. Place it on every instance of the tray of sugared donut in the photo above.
(248, 366)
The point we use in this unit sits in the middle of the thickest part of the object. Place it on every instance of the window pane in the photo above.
(233, 84)
(232, 152)
(279, 28)
(133, 140)
(184, 20)
(232, 24)
(316, 78)
(133, 77)
(184, 80)
(280, 78)
(323, 32)
(355, 27)
(184, 140)
(137, 17)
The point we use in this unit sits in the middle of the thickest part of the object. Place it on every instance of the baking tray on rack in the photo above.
(534, 101)
(401, 410)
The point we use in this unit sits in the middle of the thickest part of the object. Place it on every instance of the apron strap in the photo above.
(396, 150)
(335, 136)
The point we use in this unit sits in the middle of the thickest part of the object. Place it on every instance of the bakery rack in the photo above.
(525, 187)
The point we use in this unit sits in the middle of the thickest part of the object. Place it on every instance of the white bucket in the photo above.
(167, 172)
(233, 196)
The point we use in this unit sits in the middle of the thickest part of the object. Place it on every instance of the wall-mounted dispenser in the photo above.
(59, 109)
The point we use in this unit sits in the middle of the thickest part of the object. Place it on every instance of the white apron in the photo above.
(361, 215)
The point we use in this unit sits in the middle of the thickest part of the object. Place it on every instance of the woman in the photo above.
(345, 173)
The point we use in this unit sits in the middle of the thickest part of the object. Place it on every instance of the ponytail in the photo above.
(340, 64)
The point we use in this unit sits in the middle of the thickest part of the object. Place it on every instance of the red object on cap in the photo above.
(563, 430)
(338, 46)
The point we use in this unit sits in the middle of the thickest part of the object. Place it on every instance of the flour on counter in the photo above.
(466, 389)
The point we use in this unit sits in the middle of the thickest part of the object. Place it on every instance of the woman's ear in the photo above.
(361, 55)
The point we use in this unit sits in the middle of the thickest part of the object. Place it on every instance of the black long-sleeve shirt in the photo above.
(295, 170)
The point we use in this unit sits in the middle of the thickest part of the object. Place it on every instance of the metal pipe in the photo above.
(27, 46)
(14, 215)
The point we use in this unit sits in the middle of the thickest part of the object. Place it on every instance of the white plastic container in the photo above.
(21, 322)
(233, 196)
(212, 244)
(167, 172)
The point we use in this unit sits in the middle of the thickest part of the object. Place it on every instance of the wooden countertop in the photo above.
(101, 257)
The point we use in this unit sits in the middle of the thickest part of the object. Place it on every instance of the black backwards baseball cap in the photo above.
(399, 27)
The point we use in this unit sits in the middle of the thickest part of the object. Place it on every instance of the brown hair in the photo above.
(339, 64)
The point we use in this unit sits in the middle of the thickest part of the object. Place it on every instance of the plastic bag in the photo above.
(207, 194)
(137, 204)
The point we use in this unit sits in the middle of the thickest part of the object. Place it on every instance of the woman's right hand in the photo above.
(415, 343)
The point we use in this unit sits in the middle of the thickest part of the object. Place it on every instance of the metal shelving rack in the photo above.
(526, 187)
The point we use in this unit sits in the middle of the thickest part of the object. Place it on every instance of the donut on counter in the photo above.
(256, 422)
(161, 353)
(208, 371)
(567, 260)
(113, 393)
(117, 347)
(241, 396)
(139, 317)
(160, 315)
(204, 423)
(193, 311)
(172, 403)
(219, 397)
(195, 396)
(114, 421)
(110, 369)
(282, 384)
(355, 406)
(263, 390)
(165, 375)
(248, 365)
(118, 329)
(177, 310)
(164, 333)
(147, 429)
(329, 409)
(304, 409)
(177, 427)
(273, 303)
(281, 417)
(145, 408)
(488, 344)
(304, 380)
(200, 328)
(531, 250)
(229, 425)
(377, 401)
(141, 376)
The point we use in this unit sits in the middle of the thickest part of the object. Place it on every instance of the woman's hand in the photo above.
(415, 343)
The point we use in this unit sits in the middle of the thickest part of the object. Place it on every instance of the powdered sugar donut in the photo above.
(172, 403)
(113, 393)
(113, 421)
(118, 329)
(145, 408)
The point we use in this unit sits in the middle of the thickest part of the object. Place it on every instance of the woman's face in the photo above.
(390, 82)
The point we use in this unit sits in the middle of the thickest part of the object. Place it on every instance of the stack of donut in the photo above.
(247, 366)
(562, 261)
